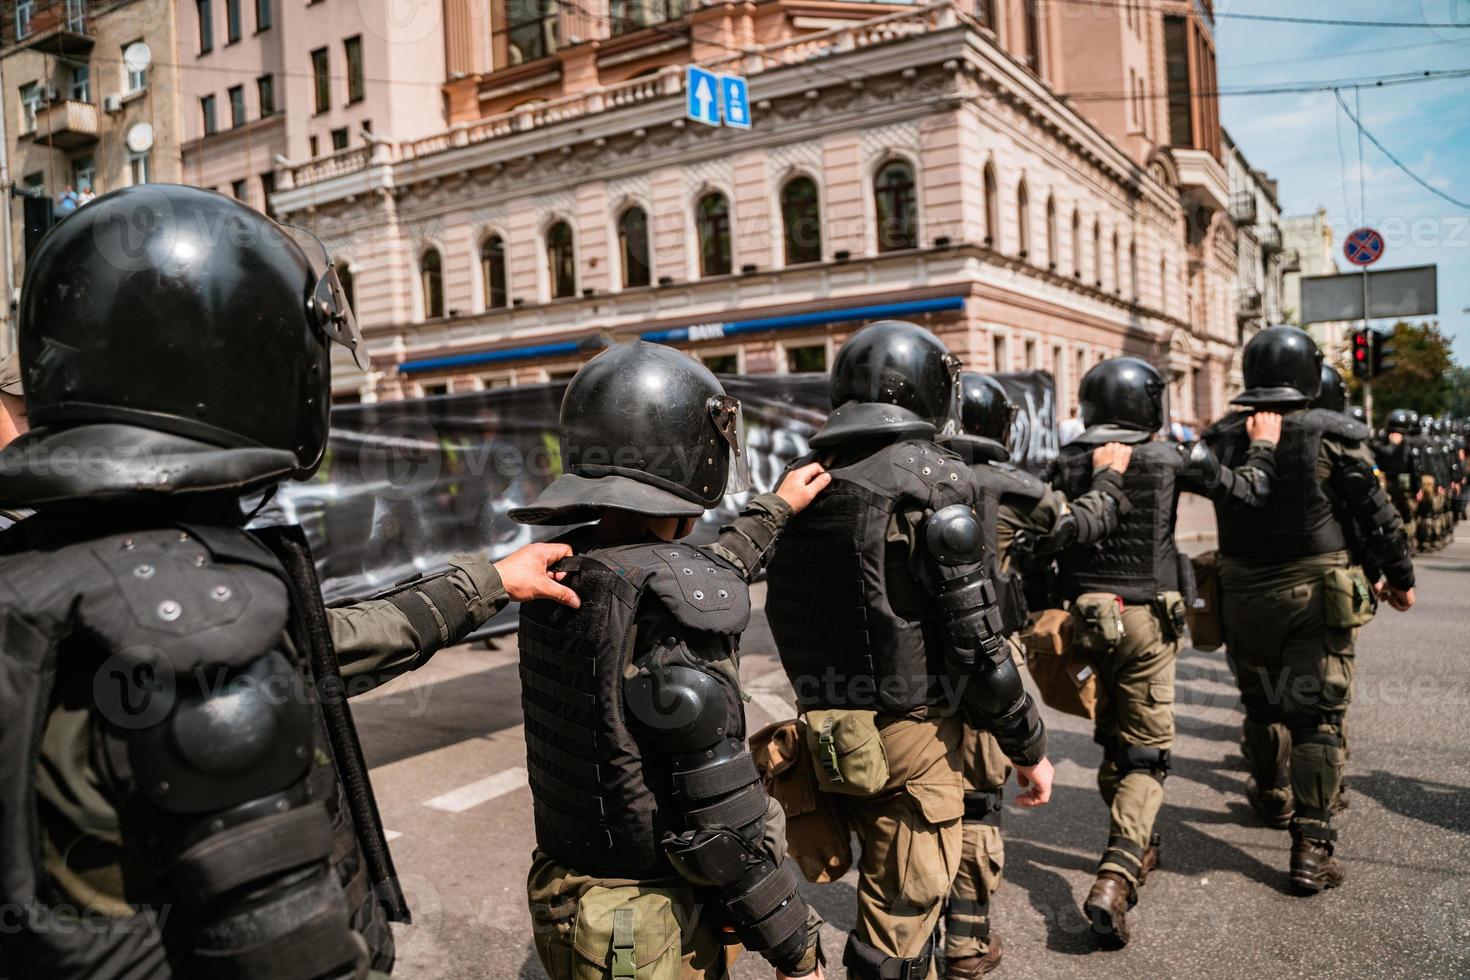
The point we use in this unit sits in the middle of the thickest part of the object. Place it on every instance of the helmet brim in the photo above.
(1262, 397)
(575, 499)
(857, 420)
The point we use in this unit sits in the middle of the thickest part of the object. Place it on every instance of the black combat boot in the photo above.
(974, 967)
(1107, 908)
(1313, 867)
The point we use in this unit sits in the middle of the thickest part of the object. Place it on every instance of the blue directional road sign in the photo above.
(735, 101)
(703, 91)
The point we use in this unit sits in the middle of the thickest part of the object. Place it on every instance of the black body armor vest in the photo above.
(170, 602)
(998, 481)
(601, 806)
(1299, 520)
(848, 639)
(1139, 560)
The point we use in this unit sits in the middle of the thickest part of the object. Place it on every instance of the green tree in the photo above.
(1458, 402)
(1421, 377)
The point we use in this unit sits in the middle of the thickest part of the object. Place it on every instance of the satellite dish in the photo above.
(137, 57)
(140, 137)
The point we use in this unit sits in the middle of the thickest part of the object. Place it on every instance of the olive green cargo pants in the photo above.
(1295, 674)
(982, 857)
(1137, 681)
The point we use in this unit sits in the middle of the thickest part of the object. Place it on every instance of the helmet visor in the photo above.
(729, 420)
(329, 305)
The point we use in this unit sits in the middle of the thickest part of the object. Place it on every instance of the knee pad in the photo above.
(1308, 729)
(865, 962)
(984, 806)
(1129, 758)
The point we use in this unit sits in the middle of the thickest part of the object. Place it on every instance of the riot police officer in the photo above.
(1400, 465)
(651, 822)
(884, 614)
(1021, 514)
(1430, 511)
(178, 766)
(1130, 594)
(1291, 600)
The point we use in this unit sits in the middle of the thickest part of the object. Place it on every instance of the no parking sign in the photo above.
(1363, 247)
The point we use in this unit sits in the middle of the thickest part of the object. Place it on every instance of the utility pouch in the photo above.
(629, 932)
(1350, 599)
(1169, 608)
(1203, 612)
(1063, 673)
(816, 837)
(1099, 627)
(848, 751)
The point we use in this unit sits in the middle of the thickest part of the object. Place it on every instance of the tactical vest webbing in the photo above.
(997, 481)
(846, 639)
(1298, 521)
(599, 802)
(1138, 560)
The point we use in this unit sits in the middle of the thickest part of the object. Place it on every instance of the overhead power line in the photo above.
(1364, 131)
(1270, 18)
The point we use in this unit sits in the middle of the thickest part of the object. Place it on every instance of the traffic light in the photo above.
(1382, 354)
(1362, 354)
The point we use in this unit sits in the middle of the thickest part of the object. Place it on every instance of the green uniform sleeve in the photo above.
(749, 541)
(382, 638)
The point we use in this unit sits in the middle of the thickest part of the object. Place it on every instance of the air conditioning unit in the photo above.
(112, 102)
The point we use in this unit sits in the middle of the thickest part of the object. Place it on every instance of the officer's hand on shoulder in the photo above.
(1264, 426)
(526, 574)
(1400, 599)
(801, 485)
(1112, 456)
(1036, 781)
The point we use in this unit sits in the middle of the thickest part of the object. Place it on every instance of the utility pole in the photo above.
(1363, 221)
(7, 322)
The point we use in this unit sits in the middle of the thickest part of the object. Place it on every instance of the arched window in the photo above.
(1097, 253)
(1133, 268)
(561, 261)
(348, 279)
(492, 272)
(431, 283)
(1076, 243)
(801, 214)
(897, 207)
(633, 247)
(1117, 267)
(1051, 232)
(712, 222)
(1023, 221)
(992, 208)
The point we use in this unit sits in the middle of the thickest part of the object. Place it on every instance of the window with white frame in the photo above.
(140, 167)
(722, 361)
(81, 83)
(31, 97)
(804, 358)
(134, 81)
(84, 175)
(24, 11)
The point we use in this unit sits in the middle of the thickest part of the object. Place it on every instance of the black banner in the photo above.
(408, 484)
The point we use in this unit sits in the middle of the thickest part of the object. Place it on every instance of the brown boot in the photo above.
(1274, 811)
(1313, 867)
(1107, 908)
(974, 967)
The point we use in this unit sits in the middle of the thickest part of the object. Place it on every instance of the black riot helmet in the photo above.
(986, 410)
(1426, 425)
(891, 378)
(185, 335)
(646, 429)
(1404, 421)
(1127, 392)
(1333, 394)
(1282, 368)
(1358, 413)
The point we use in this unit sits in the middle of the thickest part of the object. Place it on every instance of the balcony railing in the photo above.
(66, 124)
(1248, 303)
(60, 27)
(1243, 208)
(668, 83)
(634, 15)
(1291, 261)
(1270, 238)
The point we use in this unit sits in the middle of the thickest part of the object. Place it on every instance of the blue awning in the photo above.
(699, 331)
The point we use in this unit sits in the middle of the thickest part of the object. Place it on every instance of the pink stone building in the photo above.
(1042, 186)
(268, 83)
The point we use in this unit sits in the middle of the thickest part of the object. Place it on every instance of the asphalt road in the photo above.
(447, 754)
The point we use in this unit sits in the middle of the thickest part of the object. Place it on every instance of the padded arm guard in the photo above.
(245, 850)
(690, 714)
(954, 543)
(998, 703)
(1380, 528)
(436, 610)
(1249, 484)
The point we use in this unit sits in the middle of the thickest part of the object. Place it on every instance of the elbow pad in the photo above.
(1202, 465)
(1383, 531)
(955, 544)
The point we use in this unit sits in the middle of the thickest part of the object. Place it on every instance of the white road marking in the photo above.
(391, 835)
(480, 791)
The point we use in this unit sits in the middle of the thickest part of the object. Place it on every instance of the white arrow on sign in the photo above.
(704, 97)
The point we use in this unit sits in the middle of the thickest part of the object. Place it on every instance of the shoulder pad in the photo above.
(700, 590)
(930, 463)
(1011, 480)
(163, 598)
(1336, 424)
(953, 536)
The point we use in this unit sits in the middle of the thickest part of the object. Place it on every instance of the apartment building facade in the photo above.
(1311, 238)
(1262, 257)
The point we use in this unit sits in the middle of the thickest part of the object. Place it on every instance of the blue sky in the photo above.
(1296, 137)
